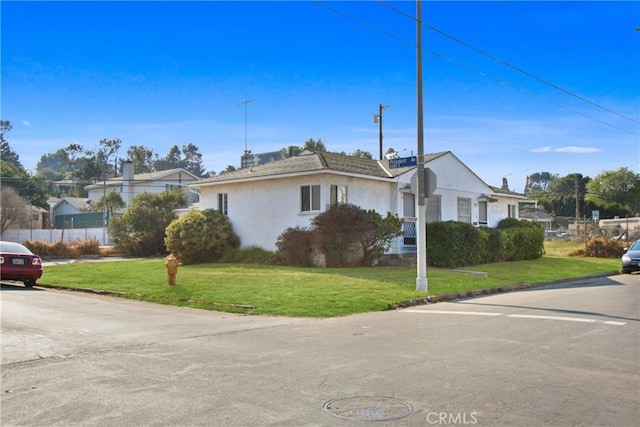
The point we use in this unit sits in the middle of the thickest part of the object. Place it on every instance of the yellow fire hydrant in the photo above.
(172, 268)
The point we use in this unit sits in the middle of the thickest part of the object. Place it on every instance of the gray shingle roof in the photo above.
(309, 161)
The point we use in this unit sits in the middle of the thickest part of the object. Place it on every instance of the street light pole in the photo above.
(421, 228)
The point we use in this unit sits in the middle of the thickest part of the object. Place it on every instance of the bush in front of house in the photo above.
(345, 235)
(452, 244)
(522, 240)
(295, 247)
(350, 236)
(200, 236)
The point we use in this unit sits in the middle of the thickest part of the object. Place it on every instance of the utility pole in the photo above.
(421, 227)
(577, 206)
(377, 118)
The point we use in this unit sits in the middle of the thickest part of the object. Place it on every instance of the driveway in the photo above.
(560, 355)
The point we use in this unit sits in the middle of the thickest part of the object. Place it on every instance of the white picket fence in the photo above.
(57, 235)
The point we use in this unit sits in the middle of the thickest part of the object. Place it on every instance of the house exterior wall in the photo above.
(65, 208)
(129, 190)
(261, 210)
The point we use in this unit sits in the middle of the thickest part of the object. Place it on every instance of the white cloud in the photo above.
(572, 149)
(26, 122)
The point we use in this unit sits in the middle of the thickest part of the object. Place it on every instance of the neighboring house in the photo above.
(262, 201)
(536, 214)
(34, 219)
(130, 185)
(74, 212)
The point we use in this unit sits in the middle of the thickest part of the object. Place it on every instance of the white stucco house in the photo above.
(262, 201)
(130, 185)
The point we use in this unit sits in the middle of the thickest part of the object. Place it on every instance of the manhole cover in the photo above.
(365, 408)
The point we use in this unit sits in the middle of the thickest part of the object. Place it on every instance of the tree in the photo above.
(619, 189)
(6, 153)
(140, 230)
(142, 158)
(114, 203)
(311, 144)
(229, 168)
(538, 183)
(193, 160)
(361, 154)
(13, 208)
(28, 187)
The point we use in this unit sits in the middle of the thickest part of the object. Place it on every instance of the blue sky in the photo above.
(511, 88)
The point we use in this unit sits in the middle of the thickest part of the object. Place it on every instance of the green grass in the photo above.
(302, 292)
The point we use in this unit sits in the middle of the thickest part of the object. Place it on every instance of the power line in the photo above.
(487, 54)
(565, 35)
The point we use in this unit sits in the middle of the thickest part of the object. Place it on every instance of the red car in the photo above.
(19, 263)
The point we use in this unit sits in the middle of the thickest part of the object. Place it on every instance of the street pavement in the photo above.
(561, 355)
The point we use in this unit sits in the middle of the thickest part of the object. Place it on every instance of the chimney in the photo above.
(505, 184)
(127, 170)
(127, 181)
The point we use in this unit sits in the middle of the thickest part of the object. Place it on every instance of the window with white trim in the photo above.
(464, 210)
(338, 194)
(222, 203)
(310, 198)
(173, 187)
(512, 211)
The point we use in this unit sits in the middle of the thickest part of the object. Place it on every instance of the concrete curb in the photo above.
(432, 299)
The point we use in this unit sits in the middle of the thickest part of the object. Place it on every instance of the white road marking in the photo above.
(518, 316)
(567, 319)
(469, 313)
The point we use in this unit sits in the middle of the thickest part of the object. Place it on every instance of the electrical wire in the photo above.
(484, 53)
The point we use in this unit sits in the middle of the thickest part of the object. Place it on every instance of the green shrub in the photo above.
(200, 236)
(295, 246)
(140, 230)
(453, 244)
(491, 245)
(523, 243)
(350, 236)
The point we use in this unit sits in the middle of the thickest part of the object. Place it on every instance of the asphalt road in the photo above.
(562, 355)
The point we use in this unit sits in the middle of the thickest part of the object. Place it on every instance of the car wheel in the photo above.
(29, 283)
(626, 271)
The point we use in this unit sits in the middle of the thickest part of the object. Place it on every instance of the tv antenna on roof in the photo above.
(246, 102)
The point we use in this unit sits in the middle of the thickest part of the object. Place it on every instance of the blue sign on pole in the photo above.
(403, 162)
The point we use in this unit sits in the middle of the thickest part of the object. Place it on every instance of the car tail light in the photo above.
(36, 261)
(1, 260)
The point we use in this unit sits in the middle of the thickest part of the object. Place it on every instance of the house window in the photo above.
(310, 198)
(464, 210)
(222, 203)
(338, 194)
(512, 211)
(482, 214)
(172, 186)
(433, 208)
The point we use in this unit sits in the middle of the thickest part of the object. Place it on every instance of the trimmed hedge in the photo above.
(452, 244)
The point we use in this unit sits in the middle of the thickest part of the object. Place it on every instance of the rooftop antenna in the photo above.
(246, 102)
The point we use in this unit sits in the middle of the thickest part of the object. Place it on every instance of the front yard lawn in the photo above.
(302, 292)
